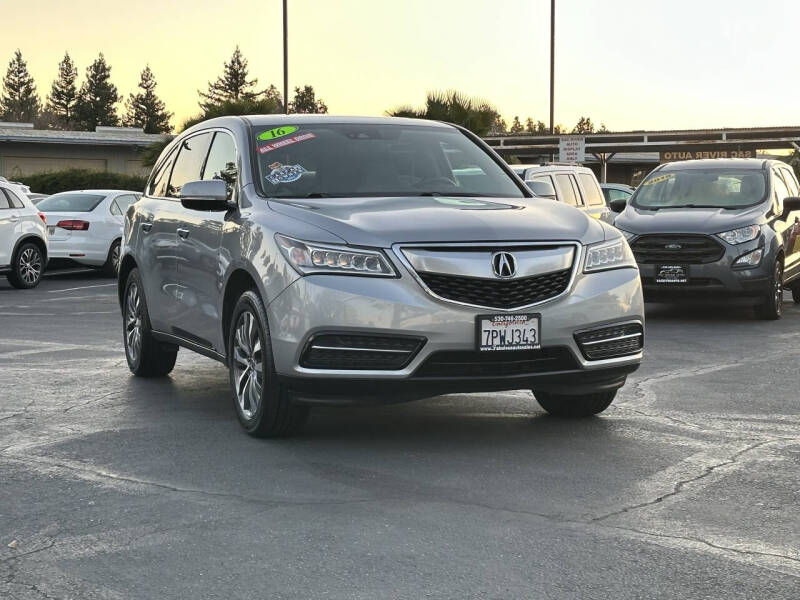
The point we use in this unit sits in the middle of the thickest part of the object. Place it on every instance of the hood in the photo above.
(381, 222)
(687, 220)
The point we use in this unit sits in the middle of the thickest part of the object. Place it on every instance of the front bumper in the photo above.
(318, 304)
(716, 280)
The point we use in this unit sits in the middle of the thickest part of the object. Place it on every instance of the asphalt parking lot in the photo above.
(115, 487)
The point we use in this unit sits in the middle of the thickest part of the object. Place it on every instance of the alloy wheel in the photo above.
(778, 283)
(133, 322)
(248, 364)
(115, 258)
(30, 265)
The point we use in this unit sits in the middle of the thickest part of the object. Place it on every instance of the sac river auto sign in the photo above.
(696, 154)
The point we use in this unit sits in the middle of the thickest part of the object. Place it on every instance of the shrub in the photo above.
(81, 179)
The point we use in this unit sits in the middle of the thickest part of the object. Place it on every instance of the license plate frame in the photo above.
(677, 274)
(509, 320)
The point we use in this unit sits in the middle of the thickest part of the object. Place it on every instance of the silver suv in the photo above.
(328, 259)
(23, 238)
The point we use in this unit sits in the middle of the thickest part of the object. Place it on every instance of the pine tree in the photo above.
(145, 109)
(516, 126)
(64, 93)
(272, 93)
(231, 85)
(96, 100)
(305, 101)
(19, 100)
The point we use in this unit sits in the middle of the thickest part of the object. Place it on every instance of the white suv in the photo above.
(23, 238)
(571, 184)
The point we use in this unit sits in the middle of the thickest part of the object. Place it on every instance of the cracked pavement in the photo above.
(112, 487)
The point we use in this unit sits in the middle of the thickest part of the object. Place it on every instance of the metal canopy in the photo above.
(757, 138)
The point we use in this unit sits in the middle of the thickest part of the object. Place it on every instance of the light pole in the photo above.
(552, 59)
(286, 62)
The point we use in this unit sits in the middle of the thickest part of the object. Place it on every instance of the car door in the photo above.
(200, 270)
(8, 219)
(790, 226)
(156, 221)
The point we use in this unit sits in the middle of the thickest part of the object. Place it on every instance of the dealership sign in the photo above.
(572, 148)
(697, 154)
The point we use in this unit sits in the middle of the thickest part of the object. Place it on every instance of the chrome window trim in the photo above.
(577, 260)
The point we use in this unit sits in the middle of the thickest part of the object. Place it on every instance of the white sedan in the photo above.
(86, 226)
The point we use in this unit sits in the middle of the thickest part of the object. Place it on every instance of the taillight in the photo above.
(43, 218)
(73, 225)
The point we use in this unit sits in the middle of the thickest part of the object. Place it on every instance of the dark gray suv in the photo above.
(717, 229)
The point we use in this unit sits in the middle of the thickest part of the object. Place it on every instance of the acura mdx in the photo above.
(328, 259)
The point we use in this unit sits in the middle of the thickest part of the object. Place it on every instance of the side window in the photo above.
(4, 202)
(189, 163)
(566, 191)
(615, 194)
(221, 163)
(14, 200)
(781, 191)
(114, 208)
(593, 195)
(123, 202)
(791, 181)
(158, 184)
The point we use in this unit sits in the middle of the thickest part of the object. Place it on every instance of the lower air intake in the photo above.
(354, 352)
(612, 341)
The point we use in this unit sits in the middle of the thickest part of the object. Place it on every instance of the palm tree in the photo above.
(451, 106)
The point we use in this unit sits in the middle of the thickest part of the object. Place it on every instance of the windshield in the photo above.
(70, 203)
(353, 159)
(701, 188)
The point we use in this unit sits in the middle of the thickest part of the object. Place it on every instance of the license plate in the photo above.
(51, 230)
(671, 274)
(508, 332)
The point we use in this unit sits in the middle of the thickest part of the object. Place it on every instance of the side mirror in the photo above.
(791, 203)
(542, 189)
(209, 195)
(618, 205)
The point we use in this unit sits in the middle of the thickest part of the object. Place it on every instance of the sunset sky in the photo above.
(632, 64)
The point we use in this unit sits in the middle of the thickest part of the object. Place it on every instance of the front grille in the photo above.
(498, 293)
(360, 352)
(473, 363)
(611, 342)
(683, 249)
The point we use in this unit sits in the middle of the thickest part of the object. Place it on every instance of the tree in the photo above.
(305, 101)
(584, 125)
(145, 109)
(602, 128)
(498, 126)
(63, 93)
(272, 93)
(233, 84)
(97, 97)
(536, 127)
(453, 107)
(516, 127)
(19, 100)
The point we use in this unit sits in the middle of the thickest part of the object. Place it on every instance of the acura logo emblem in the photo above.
(504, 265)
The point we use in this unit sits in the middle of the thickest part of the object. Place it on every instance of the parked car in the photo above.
(36, 198)
(571, 184)
(715, 229)
(341, 259)
(23, 238)
(86, 226)
(616, 191)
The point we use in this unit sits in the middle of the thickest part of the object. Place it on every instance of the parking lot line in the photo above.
(83, 287)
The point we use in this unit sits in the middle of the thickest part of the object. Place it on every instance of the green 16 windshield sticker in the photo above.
(272, 134)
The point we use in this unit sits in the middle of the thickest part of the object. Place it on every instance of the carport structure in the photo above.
(671, 145)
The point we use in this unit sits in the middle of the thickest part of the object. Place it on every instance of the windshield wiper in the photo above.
(453, 194)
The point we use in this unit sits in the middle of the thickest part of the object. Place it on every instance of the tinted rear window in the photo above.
(70, 202)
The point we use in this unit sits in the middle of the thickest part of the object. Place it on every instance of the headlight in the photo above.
(628, 235)
(751, 259)
(741, 234)
(608, 255)
(308, 258)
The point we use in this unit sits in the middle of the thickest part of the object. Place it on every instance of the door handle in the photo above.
(184, 233)
(146, 227)
(14, 218)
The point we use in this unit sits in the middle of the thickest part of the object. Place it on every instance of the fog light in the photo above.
(751, 259)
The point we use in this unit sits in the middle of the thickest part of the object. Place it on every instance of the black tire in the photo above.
(147, 357)
(795, 287)
(264, 405)
(27, 266)
(584, 405)
(111, 266)
(771, 307)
